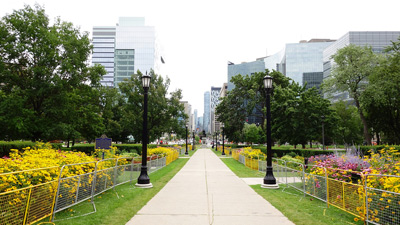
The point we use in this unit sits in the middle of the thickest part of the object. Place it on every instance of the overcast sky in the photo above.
(199, 37)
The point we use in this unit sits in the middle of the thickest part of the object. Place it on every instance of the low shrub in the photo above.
(6, 146)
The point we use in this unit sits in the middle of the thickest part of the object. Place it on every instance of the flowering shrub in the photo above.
(380, 171)
(44, 156)
(161, 151)
(248, 152)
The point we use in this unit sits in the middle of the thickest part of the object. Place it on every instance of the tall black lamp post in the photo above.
(223, 144)
(269, 179)
(144, 180)
(186, 153)
(194, 139)
(212, 137)
(216, 141)
(323, 132)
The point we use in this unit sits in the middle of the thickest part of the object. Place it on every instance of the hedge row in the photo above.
(6, 146)
(131, 148)
(281, 151)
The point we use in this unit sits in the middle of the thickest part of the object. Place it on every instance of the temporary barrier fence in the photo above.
(27, 205)
(373, 205)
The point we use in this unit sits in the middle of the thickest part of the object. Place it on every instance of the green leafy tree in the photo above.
(300, 115)
(296, 112)
(42, 69)
(381, 98)
(251, 133)
(349, 125)
(112, 106)
(354, 65)
(165, 114)
(232, 111)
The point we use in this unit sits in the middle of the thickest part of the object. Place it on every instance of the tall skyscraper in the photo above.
(200, 123)
(103, 52)
(207, 112)
(195, 120)
(214, 101)
(125, 48)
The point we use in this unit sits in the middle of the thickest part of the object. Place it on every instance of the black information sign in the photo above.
(103, 142)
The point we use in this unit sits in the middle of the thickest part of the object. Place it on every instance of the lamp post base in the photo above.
(270, 186)
(149, 185)
(269, 179)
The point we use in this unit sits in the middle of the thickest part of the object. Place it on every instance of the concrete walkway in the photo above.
(204, 192)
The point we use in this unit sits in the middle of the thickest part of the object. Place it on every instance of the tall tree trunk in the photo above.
(367, 135)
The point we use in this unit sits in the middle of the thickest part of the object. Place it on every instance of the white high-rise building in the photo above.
(125, 48)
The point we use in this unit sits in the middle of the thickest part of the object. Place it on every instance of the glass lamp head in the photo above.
(146, 80)
(268, 82)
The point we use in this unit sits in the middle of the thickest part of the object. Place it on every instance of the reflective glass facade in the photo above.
(303, 58)
(247, 68)
(124, 64)
(125, 48)
(214, 97)
(313, 79)
(103, 52)
(302, 62)
(214, 101)
(275, 62)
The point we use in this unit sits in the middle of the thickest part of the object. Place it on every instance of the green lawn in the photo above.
(292, 203)
(114, 210)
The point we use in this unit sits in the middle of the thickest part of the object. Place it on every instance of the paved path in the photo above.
(204, 192)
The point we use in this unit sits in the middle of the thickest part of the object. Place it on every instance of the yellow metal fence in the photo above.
(26, 197)
(24, 204)
(373, 205)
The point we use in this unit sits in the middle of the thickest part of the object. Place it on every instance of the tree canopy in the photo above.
(165, 112)
(47, 88)
(354, 65)
(296, 112)
(381, 98)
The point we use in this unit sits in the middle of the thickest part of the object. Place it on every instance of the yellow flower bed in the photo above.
(171, 153)
(248, 152)
(162, 151)
(42, 164)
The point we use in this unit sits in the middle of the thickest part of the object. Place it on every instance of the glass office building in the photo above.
(125, 48)
(103, 52)
(377, 40)
(214, 101)
(246, 68)
(302, 62)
